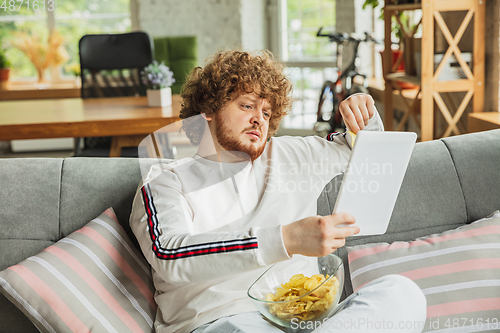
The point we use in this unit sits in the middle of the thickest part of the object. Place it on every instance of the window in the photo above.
(71, 18)
(310, 59)
(303, 19)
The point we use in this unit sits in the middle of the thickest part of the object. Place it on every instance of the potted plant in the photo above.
(4, 69)
(158, 78)
(74, 69)
(404, 28)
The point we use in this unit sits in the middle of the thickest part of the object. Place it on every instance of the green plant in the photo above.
(403, 24)
(73, 68)
(372, 3)
(4, 63)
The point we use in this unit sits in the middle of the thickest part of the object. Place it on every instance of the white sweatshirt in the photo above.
(210, 229)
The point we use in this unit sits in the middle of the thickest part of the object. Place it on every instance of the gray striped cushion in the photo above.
(458, 271)
(93, 280)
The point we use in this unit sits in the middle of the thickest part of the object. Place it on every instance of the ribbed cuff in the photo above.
(375, 123)
(271, 246)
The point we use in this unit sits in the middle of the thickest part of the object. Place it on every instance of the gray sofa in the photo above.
(448, 183)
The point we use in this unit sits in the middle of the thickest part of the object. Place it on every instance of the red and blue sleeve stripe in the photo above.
(194, 250)
(331, 136)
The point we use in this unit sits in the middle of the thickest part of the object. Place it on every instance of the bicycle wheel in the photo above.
(328, 106)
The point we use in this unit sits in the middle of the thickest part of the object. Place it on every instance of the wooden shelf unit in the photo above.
(402, 77)
(410, 6)
(484, 121)
(431, 88)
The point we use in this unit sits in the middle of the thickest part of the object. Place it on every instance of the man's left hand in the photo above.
(356, 111)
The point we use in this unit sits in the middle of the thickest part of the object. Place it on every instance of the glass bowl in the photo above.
(314, 303)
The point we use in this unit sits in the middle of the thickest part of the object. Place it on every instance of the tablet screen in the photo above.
(373, 178)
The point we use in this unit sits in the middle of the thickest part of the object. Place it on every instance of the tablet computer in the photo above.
(373, 178)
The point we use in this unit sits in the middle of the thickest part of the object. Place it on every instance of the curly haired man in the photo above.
(212, 224)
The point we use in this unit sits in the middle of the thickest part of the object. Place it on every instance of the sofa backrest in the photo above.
(448, 183)
(44, 199)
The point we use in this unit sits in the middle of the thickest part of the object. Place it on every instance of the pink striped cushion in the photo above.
(94, 280)
(458, 271)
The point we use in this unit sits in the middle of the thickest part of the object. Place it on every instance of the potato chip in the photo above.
(271, 298)
(308, 307)
(314, 281)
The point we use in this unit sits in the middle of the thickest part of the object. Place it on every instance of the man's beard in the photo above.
(229, 140)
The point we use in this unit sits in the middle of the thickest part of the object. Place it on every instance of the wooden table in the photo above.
(483, 121)
(126, 119)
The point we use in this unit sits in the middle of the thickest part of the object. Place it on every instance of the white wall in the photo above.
(345, 16)
(364, 23)
(352, 18)
(254, 24)
(218, 24)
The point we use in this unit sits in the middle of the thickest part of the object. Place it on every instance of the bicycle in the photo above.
(332, 93)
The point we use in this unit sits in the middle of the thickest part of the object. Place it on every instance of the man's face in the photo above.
(242, 125)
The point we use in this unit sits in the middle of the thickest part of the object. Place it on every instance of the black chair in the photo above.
(111, 64)
(110, 67)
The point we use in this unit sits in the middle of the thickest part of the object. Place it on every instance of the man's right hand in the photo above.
(317, 236)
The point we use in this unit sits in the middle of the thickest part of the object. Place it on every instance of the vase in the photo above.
(159, 97)
(41, 75)
(42, 82)
(55, 74)
(4, 78)
(409, 54)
